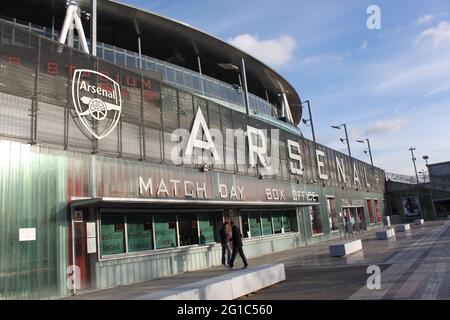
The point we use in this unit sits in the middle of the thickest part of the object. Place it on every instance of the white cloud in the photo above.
(386, 126)
(440, 35)
(364, 45)
(275, 52)
(325, 57)
(425, 19)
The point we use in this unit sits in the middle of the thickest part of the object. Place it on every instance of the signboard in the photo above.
(91, 235)
(27, 234)
(410, 207)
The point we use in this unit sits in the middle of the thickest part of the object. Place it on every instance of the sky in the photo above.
(389, 84)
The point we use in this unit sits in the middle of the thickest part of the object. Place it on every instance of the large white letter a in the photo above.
(196, 143)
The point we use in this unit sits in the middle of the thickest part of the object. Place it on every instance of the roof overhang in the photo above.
(157, 203)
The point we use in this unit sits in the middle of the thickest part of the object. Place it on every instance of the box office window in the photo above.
(139, 232)
(254, 221)
(187, 225)
(332, 214)
(207, 226)
(165, 231)
(113, 234)
(287, 219)
(277, 222)
(266, 222)
(316, 220)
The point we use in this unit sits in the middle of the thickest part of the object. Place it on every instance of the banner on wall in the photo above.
(411, 207)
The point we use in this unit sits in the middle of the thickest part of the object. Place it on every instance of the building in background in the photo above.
(91, 196)
(430, 199)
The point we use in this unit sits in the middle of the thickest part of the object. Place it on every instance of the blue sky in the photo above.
(390, 85)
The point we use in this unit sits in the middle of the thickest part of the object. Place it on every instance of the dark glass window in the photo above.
(316, 220)
(165, 231)
(266, 221)
(207, 226)
(187, 224)
(288, 222)
(254, 220)
(139, 232)
(277, 222)
(113, 234)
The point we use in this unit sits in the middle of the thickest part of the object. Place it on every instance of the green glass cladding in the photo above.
(33, 195)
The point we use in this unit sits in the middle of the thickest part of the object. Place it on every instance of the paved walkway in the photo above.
(413, 261)
(414, 265)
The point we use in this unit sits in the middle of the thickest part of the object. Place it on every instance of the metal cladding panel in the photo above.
(33, 195)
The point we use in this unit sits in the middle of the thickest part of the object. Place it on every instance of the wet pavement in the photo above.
(414, 265)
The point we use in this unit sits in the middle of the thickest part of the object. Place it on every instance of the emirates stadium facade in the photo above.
(120, 162)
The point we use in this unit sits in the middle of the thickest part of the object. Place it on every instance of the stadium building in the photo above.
(127, 138)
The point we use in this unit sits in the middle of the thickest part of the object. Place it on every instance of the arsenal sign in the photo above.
(97, 101)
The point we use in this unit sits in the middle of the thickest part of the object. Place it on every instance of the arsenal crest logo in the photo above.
(97, 101)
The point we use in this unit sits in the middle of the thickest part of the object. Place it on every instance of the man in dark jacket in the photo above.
(236, 238)
(226, 251)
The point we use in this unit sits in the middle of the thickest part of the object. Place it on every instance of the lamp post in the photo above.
(370, 150)
(412, 149)
(346, 137)
(310, 120)
(311, 123)
(414, 162)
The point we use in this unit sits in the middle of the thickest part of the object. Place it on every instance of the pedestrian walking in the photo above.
(236, 239)
(226, 251)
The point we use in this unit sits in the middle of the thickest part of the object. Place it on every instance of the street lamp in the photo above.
(346, 137)
(426, 158)
(370, 150)
(414, 162)
(309, 122)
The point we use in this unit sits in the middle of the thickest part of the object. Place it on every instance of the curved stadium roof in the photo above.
(165, 39)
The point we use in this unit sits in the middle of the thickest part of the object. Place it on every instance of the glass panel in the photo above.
(287, 224)
(165, 231)
(187, 224)
(113, 234)
(139, 232)
(207, 227)
(109, 55)
(266, 220)
(131, 61)
(277, 222)
(332, 214)
(255, 224)
(316, 220)
(120, 58)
